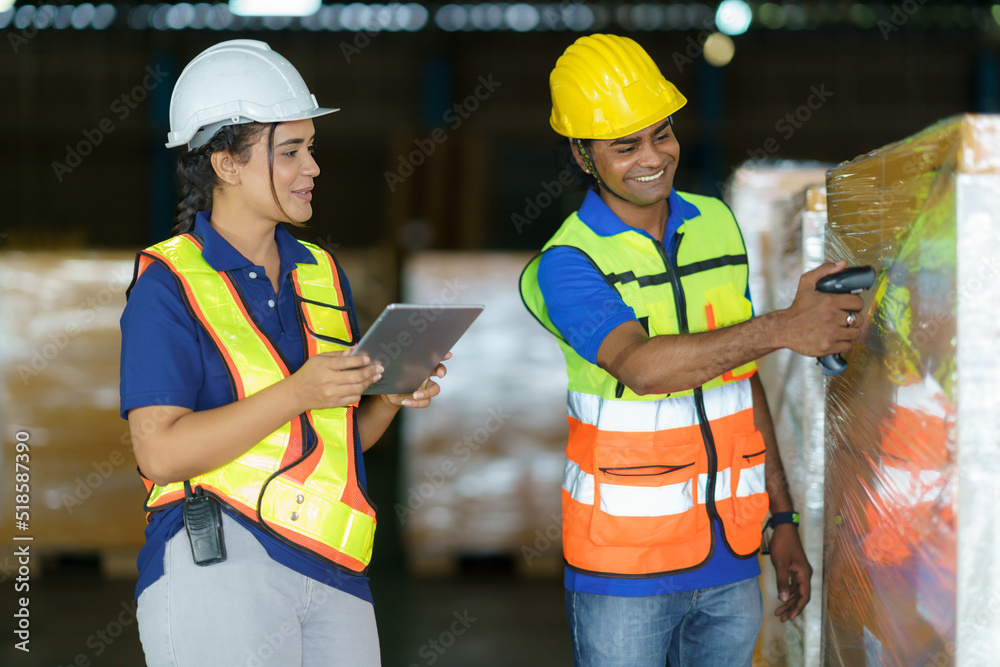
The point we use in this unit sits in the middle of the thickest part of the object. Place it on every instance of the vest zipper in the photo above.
(680, 305)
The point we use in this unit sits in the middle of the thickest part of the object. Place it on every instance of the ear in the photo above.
(225, 168)
(578, 157)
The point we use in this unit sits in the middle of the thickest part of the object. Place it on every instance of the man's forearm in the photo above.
(779, 498)
(665, 364)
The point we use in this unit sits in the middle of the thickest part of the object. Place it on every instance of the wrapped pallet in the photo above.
(912, 566)
(59, 356)
(483, 468)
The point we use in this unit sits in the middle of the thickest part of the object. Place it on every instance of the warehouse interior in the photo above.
(833, 130)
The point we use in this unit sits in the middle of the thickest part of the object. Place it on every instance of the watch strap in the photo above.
(783, 517)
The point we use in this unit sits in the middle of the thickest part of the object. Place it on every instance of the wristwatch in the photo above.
(775, 520)
(783, 517)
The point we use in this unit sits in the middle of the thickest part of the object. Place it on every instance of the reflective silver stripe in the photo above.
(666, 413)
(646, 500)
(722, 490)
(752, 481)
(579, 484)
(619, 500)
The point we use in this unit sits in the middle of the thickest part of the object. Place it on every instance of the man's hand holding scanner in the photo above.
(814, 325)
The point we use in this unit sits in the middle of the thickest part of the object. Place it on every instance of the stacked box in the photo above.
(482, 467)
(759, 194)
(913, 476)
(781, 208)
(59, 356)
(794, 387)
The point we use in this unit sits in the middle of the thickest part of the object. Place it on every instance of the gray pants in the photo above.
(250, 611)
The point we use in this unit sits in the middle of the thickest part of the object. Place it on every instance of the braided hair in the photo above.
(197, 179)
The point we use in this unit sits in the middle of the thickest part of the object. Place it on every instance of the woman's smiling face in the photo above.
(294, 169)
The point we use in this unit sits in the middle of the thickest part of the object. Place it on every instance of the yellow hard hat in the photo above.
(606, 87)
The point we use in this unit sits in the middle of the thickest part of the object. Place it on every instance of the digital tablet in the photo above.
(409, 340)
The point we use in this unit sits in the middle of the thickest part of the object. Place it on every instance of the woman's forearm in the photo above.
(374, 416)
(173, 444)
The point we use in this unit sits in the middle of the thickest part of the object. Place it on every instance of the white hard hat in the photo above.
(234, 82)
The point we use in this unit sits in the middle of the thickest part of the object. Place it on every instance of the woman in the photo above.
(247, 417)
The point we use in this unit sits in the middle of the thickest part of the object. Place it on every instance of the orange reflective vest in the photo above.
(908, 505)
(644, 475)
(309, 498)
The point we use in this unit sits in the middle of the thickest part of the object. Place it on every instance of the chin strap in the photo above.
(589, 163)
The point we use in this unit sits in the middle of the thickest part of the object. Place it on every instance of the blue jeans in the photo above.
(700, 628)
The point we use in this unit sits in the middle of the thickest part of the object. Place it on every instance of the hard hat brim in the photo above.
(194, 141)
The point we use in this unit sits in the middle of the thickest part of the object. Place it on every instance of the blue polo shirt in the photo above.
(169, 359)
(585, 309)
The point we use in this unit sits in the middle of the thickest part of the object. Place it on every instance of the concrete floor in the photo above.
(80, 619)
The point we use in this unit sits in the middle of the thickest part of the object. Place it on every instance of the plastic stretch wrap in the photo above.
(913, 474)
(483, 466)
(794, 387)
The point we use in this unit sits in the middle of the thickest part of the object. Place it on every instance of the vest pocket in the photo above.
(326, 322)
(749, 489)
(646, 495)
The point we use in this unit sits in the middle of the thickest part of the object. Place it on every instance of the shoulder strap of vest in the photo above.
(322, 309)
(717, 209)
(144, 258)
(531, 295)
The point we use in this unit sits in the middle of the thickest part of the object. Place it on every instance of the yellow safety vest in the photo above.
(311, 499)
(645, 474)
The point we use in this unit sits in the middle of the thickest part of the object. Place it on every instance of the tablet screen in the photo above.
(409, 340)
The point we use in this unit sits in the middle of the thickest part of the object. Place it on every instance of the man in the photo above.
(671, 464)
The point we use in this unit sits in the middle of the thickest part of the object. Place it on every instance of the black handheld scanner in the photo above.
(849, 281)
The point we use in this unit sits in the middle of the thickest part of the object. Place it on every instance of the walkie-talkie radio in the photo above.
(203, 521)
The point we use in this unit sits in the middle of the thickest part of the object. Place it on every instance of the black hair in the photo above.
(580, 178)
(196, 178)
